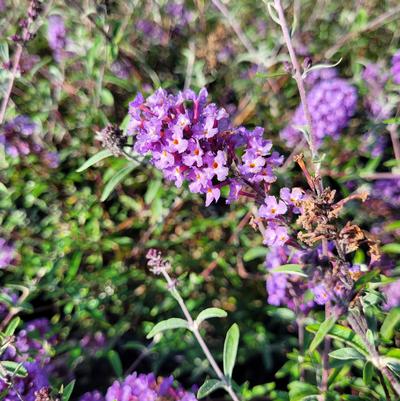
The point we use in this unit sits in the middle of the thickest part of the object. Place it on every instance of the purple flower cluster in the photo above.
(151, 31)
(93, 342)
(7, 253)
(30, 350)
(19, 138)
(179, 17)
(283, 289)
(179, 14)
(395, 70)
(191, 140)
(273, 211)
(57, 36)
(388, 191)
(319, 287)
(332, 102)
(142, 387)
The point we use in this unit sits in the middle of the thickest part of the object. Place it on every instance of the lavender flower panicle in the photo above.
(141, 387)
(19, 138)
(57, 36)
(388, 191)
(191, 140)
(332, 102)
(34, 356)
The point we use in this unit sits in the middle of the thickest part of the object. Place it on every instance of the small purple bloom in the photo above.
(57, 36)
(395, 70)
(7, 253)
(321, 294)
(272, 208)
(275, 235)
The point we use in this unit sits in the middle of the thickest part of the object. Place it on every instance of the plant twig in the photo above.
(300, 83)
(195, 330)
(26, 34)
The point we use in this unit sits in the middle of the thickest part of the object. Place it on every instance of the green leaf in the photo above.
(210, 313)
(322, 332)
(368, 373)
(254, 253)
(344, 334)
(390, 323)
(230, 349)
(173, 323)
(116, 363)
(14, 368)
(67, 391)
(74, 265)
(394, 120)
(115, 180)
(103, 154)
(298, 391)
(208, 387)
(4, 54)
(391, 248)
(3, 188)
(12, 326)
(289, 269)
(106, 97)
(346, 353)
(152, 190)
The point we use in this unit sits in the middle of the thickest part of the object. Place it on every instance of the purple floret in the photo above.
(392, 294)
(395, 70)
(144, 387)
(7, 253)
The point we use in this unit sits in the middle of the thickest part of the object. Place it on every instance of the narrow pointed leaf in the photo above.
(210, 313)
(67, 392)
(344, 334)
(289, 269)
(346, 354)
(173, 323)
(116, 363)
(322, 332)
(390, 323)
(230, 349)
(368, 373)
(103, 154)
(115, 180)
(12, 326)
(208, 387)
(14, 368)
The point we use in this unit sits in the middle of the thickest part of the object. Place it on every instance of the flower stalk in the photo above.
(160, 267)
